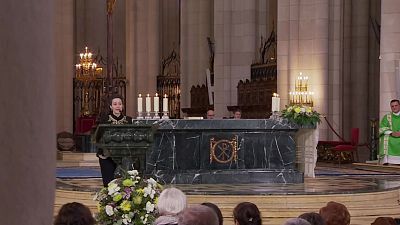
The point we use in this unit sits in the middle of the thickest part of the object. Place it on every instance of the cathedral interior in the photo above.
(65, 57)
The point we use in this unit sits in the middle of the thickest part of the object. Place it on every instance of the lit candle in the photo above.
(165, 103)
(148, 103)
(140, 103)
(275, 102)
(156, 103)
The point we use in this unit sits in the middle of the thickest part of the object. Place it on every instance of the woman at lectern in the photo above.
(115, 116)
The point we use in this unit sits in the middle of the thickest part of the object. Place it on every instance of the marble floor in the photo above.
(330, 179)
(357, 186)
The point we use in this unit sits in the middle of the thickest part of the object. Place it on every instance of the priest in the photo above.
(389, 136)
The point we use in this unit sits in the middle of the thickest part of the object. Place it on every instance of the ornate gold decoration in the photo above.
(87, 71)
(301, 94)
(169, 83)
(223, 151)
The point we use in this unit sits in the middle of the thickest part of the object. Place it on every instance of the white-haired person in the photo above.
(198, 215)
(171, 202)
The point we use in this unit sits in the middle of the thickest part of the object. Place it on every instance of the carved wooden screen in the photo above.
(169, 82)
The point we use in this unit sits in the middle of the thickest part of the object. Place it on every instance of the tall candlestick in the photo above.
(140, 103)
(165, 103)
(156, 103)
(148, 103)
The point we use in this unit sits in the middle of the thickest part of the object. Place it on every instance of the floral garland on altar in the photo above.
(301, 115)
(128, 200)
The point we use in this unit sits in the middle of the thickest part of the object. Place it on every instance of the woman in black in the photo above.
(115, 116)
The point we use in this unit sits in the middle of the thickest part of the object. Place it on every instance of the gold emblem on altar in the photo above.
(223, 151)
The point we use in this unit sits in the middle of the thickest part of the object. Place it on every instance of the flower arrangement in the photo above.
(128, 200)
(302, 115)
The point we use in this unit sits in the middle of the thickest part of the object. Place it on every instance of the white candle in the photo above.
(275, 103)
(165, 103)
(156, 103)
(148, 103)
(140, 103)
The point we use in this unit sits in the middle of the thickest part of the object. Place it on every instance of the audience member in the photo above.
(210, 114)
(335, 213)
(296, 221)
(237, 114)
(171, 202)
(198, 215)
(216, 210)
(74, 213)
(246, 213)
(384, 221)
(313, 218)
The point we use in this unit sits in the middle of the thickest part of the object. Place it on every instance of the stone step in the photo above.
(389, 197)
(76, 159)
(373, 166)
(92, 163)
(76, 156)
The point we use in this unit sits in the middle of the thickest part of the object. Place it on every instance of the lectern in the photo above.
(126, 144)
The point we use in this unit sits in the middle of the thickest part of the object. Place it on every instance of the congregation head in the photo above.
(296, 221)
(171, 201)
(198, 215)
(335, 213)
(247, 213)
(384, 221)
(74, 213)
(313, 218)
(216, 210)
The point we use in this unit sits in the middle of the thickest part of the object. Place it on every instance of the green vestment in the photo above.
(389, 146)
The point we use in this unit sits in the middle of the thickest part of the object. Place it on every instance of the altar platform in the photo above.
(367, 193)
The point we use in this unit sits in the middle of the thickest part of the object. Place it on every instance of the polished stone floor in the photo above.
(330, 179)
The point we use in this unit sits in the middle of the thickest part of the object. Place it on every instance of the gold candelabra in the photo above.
(86, 71)
(301, 95)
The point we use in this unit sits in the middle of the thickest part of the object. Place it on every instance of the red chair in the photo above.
(352, 147)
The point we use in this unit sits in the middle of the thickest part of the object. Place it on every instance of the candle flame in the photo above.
(140, 95)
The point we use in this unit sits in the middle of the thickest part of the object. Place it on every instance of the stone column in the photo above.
(142, 50)
(64, 47)
(303, 46)
(335, 71)
(28, 127)
(196, 20)
(359, 68)
(236, 44)
(169, 27)
(390, 54)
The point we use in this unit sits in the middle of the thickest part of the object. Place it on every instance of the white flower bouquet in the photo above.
(302, 115)
(128, 200)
